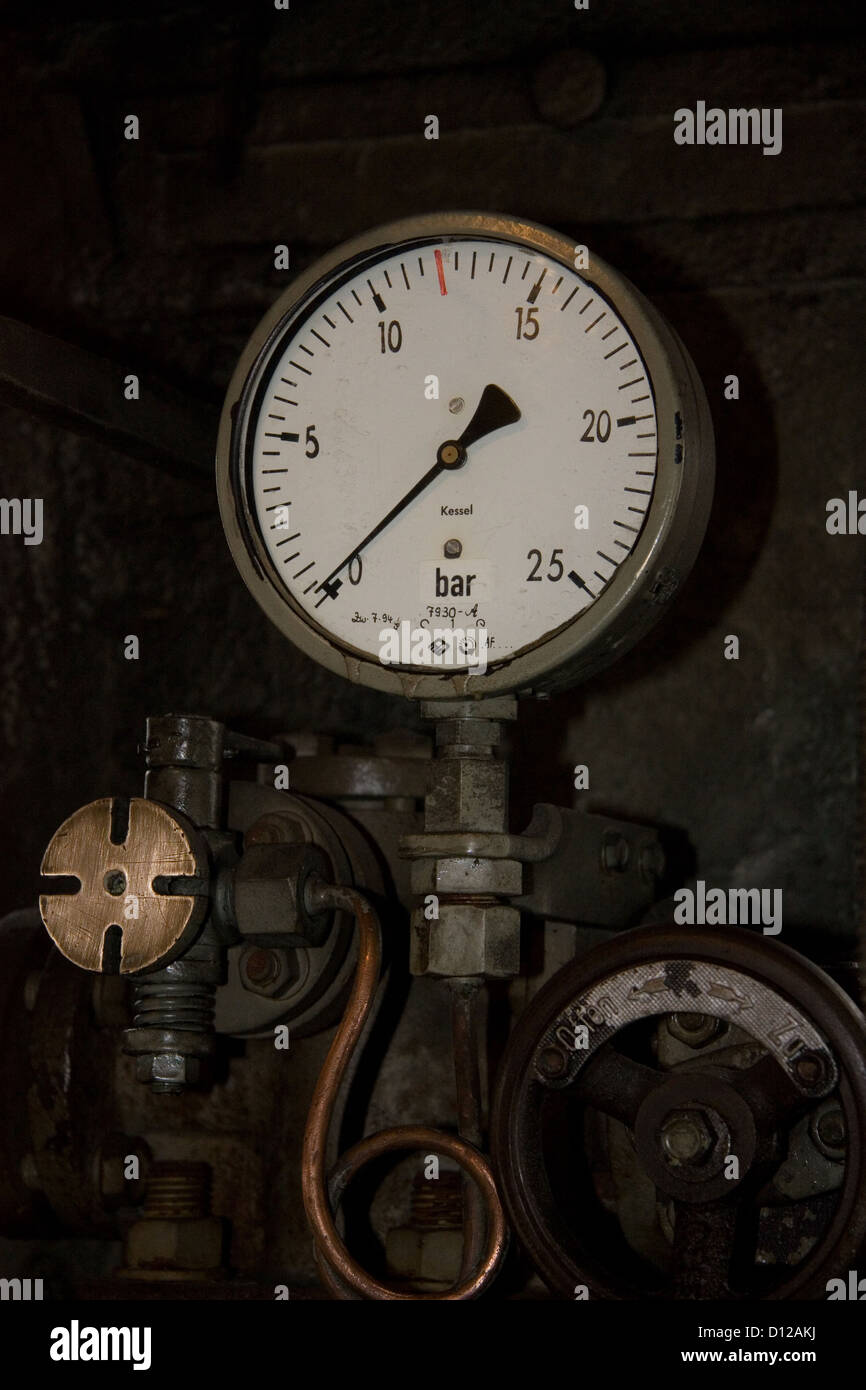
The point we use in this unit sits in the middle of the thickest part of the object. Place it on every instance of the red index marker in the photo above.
(439, 271)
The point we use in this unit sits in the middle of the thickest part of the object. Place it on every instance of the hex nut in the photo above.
(168, 1069)
(503, 876)
(467, 939)
(154, 1243)
(467, 794)
(266, 971)
(687, 1137)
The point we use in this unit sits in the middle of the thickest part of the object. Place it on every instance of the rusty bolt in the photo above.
(168, 1072)
(614, 853)
(829, 1130)
(694, 1029)
(686, 1137)
(260, 967)
(176, 1234)
(810, 1069)
(267, 971)
(552, 1063)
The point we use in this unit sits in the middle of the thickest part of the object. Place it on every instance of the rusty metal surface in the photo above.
(116, 887)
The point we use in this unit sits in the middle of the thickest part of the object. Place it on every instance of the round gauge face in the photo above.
(446, 452)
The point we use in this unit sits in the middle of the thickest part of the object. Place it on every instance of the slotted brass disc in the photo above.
(116, 921)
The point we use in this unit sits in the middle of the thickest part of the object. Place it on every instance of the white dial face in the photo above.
(380, 515)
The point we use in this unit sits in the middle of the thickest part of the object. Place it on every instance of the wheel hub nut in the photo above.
(686, 1137)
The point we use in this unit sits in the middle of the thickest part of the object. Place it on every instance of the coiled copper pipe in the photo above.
(343, 1276)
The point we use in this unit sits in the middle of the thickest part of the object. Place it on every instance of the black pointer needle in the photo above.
(495, 410)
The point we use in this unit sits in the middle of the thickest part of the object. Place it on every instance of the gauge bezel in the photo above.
(647, 578)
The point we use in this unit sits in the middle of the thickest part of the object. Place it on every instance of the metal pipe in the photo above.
(342, 1274)
(467, 1078)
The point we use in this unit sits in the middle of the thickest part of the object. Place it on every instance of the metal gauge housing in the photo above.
(461, 456)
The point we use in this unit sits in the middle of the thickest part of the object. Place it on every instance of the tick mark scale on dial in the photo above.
(627, 420)
(622, 545)
(405, 276)
(642, 453)
(610, 332)
(557, 285)
(356, 296)
(387, 279)
(377, 298)
(526, 270)
(293, 363)
(627, 384)
(581, 584)
(570, 298)
(472, 271)
(275, 506)
(626, 527)
(345, 311)
(329, 321)
(507, 268)
(635, 400)
(286, 541)
(288, 383)
(585, 306)
(437, 256)
(492, 259)
(310, 587)
(304, 570)
(624, 366)
(642, 490)
(615, 563)
(308, 351)
(284, 401)
(456, 260)
(591, 326)
(533, 293)
(421, 266)
(289, 558)
(615, 350)
(640, 511)
(320, 338)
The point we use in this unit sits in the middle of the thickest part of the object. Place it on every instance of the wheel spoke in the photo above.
(616, 1084)
(710, 1239)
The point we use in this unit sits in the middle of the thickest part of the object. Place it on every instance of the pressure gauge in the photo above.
(461, 456)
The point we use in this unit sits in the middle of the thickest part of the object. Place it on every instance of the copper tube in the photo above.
(467, 1078)
(342, 1275)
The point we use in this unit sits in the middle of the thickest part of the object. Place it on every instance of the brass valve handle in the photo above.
(117, 921)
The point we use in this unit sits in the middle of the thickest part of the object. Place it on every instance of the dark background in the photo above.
(306, 127)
